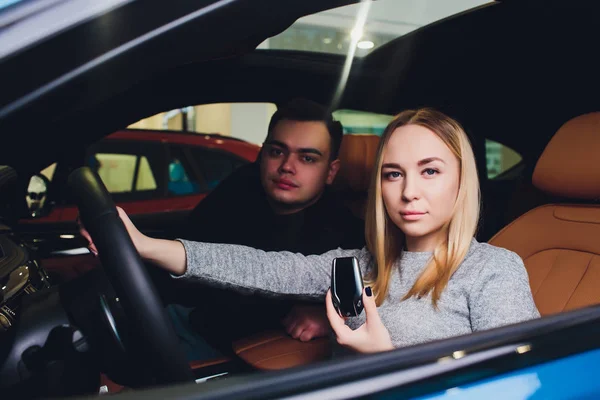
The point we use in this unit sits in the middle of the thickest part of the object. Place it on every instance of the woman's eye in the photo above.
(392, 175)
(430, 171)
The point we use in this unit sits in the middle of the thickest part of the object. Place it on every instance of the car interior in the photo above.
(500, 83)
(560, 253)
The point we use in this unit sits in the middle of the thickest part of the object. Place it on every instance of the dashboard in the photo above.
(20, 275)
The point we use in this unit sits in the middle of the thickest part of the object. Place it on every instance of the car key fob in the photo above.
(346, 286)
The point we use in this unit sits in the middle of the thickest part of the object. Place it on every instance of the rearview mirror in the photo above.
(37, 195)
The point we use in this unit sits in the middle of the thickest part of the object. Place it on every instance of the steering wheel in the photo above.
(127, 274)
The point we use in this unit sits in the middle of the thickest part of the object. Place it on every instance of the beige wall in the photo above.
(213, 118)
(154, 122)
(248, 121)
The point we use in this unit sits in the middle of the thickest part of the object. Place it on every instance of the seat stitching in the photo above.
(587, 267)
(548, 274)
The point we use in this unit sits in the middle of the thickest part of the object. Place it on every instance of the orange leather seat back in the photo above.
(560, 243)
(357, 158)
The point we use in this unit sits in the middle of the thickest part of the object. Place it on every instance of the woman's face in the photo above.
(420, 178)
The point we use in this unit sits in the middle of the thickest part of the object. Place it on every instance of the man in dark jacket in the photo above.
(280, 202)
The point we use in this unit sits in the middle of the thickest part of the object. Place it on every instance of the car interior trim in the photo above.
(102, 59)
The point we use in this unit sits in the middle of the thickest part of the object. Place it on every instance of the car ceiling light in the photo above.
(365, 44)
(327, 40)
(67, 236)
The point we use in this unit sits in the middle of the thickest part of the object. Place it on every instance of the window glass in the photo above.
(48, 172)
(182, 180)
(117, 172)
(145, 178)
(246, 121)
(500, 158)
(362, 122)
(358, 29)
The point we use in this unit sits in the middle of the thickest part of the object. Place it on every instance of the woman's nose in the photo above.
(410, 190)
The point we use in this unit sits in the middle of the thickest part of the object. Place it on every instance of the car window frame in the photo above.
(375, 370)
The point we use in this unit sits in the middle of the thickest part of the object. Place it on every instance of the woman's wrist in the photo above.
(387, 346)
(143, 244)
(167, 254)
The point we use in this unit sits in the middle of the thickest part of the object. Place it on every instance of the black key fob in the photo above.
(346, 286)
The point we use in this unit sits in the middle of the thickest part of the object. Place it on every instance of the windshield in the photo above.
(364, 26)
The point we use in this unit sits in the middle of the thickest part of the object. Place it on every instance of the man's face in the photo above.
(295, 164)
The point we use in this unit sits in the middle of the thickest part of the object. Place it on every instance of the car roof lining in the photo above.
(493, 86)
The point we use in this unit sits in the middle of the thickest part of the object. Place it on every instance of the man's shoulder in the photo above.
(223, 205)
(333, 206)
(246, 175)
(332, 215)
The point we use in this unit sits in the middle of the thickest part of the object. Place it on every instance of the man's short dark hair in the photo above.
(306, 110)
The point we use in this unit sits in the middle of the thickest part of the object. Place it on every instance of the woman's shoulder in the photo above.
(497, 255)
(485, 261)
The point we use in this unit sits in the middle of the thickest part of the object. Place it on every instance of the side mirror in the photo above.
(37, 195)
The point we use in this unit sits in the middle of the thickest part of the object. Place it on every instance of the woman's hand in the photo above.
(371, 337)
(167, 254)
(138, 238)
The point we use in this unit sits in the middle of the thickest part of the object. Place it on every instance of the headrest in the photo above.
(569, 165)
(176, 172)
(357, 158)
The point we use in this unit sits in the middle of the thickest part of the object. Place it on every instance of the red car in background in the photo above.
(158, 177)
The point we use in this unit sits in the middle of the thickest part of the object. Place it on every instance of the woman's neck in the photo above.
(426, 243)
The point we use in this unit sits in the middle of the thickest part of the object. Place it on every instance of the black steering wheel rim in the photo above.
(126, 272)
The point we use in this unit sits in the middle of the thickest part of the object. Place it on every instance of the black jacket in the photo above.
(237, 212)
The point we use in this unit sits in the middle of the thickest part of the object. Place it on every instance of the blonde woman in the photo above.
(429, 278)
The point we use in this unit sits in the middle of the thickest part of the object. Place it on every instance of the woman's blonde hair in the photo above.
(385, 240)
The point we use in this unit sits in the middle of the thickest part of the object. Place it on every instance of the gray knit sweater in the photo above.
(489, 289)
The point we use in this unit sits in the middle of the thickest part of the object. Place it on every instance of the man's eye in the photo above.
(308, 159)
(275, 151)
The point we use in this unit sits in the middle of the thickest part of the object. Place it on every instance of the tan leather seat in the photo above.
(560, 243)
(357, 157)
(273, 350)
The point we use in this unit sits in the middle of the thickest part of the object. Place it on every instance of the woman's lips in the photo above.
(412, 215)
